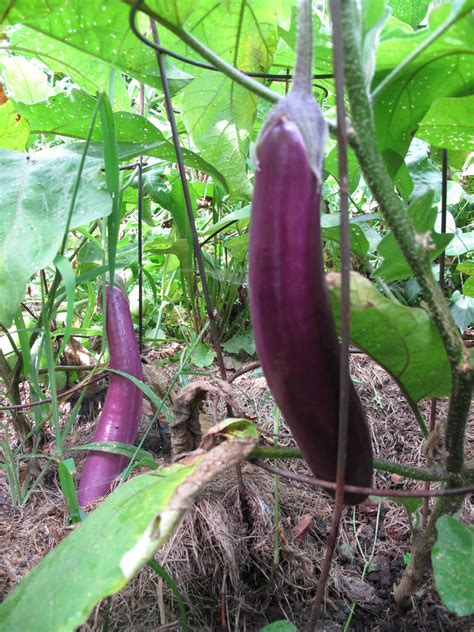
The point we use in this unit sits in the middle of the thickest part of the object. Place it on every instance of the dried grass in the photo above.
(222, 560)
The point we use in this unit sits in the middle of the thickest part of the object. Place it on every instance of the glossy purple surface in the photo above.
(293, 326)
(121, 414)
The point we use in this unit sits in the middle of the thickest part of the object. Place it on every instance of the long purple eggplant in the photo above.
(295, 335)
(123, 403)
(294, 331)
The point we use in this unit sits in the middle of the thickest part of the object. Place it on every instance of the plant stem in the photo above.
(415, 250)
(303, 80)
(408, 471)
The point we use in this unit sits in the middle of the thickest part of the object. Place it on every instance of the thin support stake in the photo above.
(344, 378)
(442, 263)
(189, 208)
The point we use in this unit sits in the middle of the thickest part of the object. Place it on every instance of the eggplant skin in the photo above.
(294, 331)
(121, 414)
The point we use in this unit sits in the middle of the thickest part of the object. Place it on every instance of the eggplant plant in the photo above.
(407, 79)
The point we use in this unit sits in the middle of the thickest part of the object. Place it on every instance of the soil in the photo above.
(222, 556)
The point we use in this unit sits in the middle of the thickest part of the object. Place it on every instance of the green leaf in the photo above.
(142, 457)
(241, 214)
(402, 339)
(373, 15)
(441, 70)
(113, 543)
(70, 115)
(25, 80)
(453, 565)
(238, 246)
(322, 44)
(35, 195)
(241, 341)
(202, 355)
(423, 215)
(330, 229)
(462, 310)
(169, 246)
(411, 12)
(99, 30)
(280, 626)
(219, 114)
(468, 287)
(330, 165)
(411, 504)
(14, 130)
(461, 244)
(66, 469)
(448, 123)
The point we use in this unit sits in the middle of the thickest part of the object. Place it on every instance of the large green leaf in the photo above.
(113, 543)
(70, 115)
(98, 28)
(411, 11)
(373, 15)
(219, 114)
(402, 339)
(35, 198)
(453, 565)
(423, 215)
(25, 80)
(443, 69)
(449, 124)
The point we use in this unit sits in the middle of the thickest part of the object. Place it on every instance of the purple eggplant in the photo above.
(294, 330)
(121, 414)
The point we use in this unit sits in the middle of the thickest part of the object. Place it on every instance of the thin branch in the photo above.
(408, 471)
(344, 378)
(48, 400)
(370, 491)
(189, 208)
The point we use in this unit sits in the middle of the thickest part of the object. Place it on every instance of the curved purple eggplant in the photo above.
(121, 414)
(294, 331)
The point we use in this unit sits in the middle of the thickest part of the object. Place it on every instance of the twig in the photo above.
(370, 491)
(194, 234)
(246, 369)
(344, 378)
(408, 471)
(48, 400)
